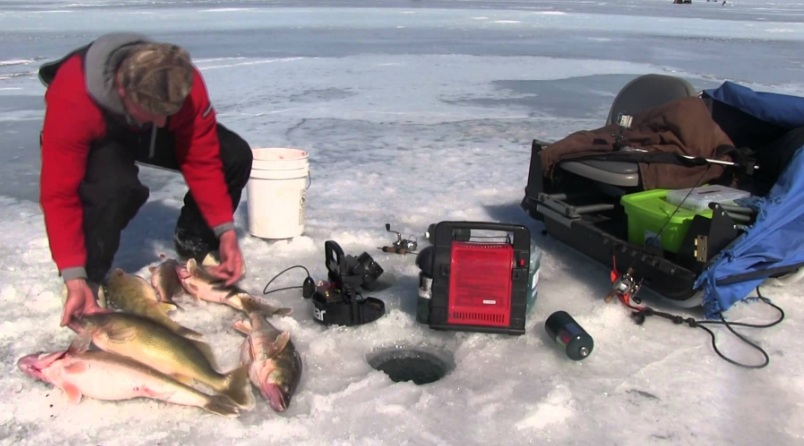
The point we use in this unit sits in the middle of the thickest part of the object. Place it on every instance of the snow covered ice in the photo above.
(413, 112)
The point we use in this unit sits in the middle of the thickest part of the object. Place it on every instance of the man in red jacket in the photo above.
(119, 100)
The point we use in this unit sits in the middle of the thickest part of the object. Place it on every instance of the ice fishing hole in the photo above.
(422, 366)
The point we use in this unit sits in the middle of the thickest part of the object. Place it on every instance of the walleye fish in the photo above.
(160, 348)
(204, 286)
(133, 294)
(165, 281)
(275, 366)
(105, 376)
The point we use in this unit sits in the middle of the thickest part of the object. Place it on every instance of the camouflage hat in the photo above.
(157, 77)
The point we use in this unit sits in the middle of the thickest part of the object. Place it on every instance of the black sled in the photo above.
(580, 203)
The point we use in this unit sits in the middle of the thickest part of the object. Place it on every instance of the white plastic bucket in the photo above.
(276, 192)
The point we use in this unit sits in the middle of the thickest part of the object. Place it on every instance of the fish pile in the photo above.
(140, 352)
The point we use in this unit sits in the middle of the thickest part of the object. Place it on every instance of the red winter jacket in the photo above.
(74, 119)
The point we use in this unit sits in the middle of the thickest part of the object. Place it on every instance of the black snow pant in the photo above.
(112, 193)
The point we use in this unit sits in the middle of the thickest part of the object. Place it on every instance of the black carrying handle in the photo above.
(445, 230)
(333, 256)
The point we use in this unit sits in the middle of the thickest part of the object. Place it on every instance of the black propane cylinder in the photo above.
(562, 328)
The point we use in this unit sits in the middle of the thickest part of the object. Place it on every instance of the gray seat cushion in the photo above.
(616, 173)
(648, 91)
(644, 92)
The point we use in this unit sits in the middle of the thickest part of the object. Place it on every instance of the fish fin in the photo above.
(76, 367)
(181, 271)
(282, 311)
(210, 260)
(238, 388)
(148, 392)
(103, 301)
(234, 292)
(73, 394)
(184, 379)
(191, 265)
(222, 287)
(165, 307)
(221, 405)
(242, 326)
(279, 344)
(187, 333)
(80, 342)
(169, 301)
(122, 334)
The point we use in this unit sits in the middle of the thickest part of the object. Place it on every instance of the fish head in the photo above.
(202, 285)
(166, 269)
(277, 386)
(36, 364)
(277, 398)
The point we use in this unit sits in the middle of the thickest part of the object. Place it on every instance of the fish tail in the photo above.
(187, 332)
(221, 405)
(165, 307)
(251, 304)
(238, 388)
(171, 301)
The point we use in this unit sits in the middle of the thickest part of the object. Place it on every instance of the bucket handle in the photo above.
(309, 181)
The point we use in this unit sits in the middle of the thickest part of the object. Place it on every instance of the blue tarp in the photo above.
(776, 239)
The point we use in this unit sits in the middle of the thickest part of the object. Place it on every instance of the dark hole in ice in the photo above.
(410, 364)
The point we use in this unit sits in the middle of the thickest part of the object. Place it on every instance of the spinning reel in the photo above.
(400, 246)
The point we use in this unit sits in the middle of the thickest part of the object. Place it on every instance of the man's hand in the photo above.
(231, 267)
(80, 301)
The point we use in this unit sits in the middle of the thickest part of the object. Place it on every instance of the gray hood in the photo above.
(100, 64)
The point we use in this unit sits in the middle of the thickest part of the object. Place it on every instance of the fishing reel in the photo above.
(400, 246)
(339, 300)
(624, 287)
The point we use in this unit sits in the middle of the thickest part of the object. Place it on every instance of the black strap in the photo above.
(739, 156)
(759, 274)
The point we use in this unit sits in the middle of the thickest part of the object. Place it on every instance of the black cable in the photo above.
(641, 313)
(744, 324)
(265, 290)
(751, 344)
(678, 206)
